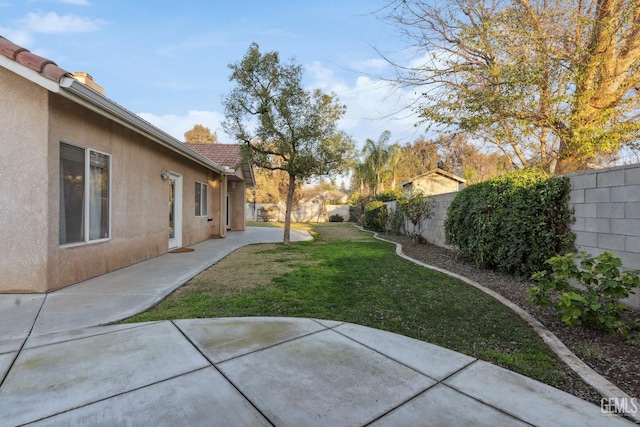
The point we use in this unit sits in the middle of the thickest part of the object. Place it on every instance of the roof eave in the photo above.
(29, 74)
(437, 171)
(450, 175)
(72, 89)
(247, 169)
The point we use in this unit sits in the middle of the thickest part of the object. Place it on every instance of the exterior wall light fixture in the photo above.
(164, 175)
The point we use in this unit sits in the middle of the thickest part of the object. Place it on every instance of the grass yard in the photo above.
(347, 275)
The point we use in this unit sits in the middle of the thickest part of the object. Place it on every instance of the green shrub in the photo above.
(396, 220)
(597, 301)
(334, 202)
(375, 216)
(416, 209)
(357, 204)
(389, 195)
(354, 213)
(512, 223)
(269, 213)
(336, 218)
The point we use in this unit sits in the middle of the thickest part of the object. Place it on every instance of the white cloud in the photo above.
(373, 105)
(434, 59)
(19, 37)
(325, 79)
(176, 125)
(373, 66)
(52, 23)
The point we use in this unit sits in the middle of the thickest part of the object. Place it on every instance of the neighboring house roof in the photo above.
(436, 171)
(223, 154)
(229, 155)
(47, 74)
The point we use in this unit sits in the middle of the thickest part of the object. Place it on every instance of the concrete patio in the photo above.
(62, 364)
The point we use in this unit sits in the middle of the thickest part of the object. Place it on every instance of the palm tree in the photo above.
(363, 177)
(396, 155)
(376, 156)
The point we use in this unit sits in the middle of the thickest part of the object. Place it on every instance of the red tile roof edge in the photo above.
(43, 66)
(222, 154)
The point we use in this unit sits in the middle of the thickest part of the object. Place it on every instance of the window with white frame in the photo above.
(84, 194)
(201, 199)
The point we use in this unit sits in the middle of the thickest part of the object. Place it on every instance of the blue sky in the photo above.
(166, 60)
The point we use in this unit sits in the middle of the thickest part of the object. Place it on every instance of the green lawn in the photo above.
(347, 275)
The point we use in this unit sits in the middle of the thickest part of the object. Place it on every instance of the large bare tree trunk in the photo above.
(287, 216)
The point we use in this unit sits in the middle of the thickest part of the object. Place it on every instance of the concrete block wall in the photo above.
(607, 211)
(307, 212)
(432, 229)
(606, 203)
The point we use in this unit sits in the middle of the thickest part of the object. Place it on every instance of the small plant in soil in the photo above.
(587, 292)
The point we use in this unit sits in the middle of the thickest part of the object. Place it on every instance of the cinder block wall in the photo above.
(307, 212)
(433, 228)
(607, 210)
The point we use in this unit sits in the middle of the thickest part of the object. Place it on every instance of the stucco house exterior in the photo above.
(89, 187)
(436, 181)
(230, 156)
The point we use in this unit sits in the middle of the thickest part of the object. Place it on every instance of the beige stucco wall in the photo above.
(237, 189)
(435, 184)
(24, 184)
(218, 223)
(33, 122)
(139, 196)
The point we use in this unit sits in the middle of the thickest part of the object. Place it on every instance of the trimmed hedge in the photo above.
(512, 223)
(375, 216)
(358, 203)
(389, 195)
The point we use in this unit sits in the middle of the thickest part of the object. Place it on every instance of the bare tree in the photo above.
(550, 83)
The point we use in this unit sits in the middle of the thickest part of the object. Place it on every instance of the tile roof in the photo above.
(42, 66)
(229, 155)
(222, 154)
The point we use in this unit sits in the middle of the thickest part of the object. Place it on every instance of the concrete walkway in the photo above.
(58, 366)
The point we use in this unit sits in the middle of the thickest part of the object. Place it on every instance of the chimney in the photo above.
(86, 79)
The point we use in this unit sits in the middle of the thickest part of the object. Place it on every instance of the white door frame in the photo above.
(229, 209)
(176, 240)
